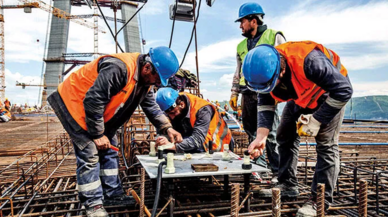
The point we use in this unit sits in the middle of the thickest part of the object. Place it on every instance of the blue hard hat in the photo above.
(166, 97)
(249, 8)
(261, 68)
(165, 62)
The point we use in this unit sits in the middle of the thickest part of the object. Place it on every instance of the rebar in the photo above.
(235, 200)
(363, 199)
(276, 206)
(320, 200)
(142, 178)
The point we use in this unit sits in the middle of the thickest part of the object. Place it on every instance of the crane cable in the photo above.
(192, 34)
(173, 23)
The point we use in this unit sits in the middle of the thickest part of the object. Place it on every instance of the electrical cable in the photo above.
(158, 187)
(192, 34)
(125, 24)
(173, 23)
(110, 30)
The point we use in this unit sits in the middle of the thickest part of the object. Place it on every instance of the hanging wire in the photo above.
(125, 24)
(192, 34)
(173, 23)
(110, 30)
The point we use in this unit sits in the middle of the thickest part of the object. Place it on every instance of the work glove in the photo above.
(233, 101)
(307, 125)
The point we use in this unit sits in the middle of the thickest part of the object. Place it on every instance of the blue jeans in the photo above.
(327, 166)
(97, 173)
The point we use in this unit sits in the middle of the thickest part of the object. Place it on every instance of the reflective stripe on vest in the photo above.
(295, 53)
(218, 132)
(268, 37)
(75, 87)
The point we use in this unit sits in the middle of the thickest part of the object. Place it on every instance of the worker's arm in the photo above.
(157, 117)
(112, 77)
(319, 69)
(236, 77)
(266, 106)
(200, 130)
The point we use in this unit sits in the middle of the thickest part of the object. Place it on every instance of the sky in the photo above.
(357, 30)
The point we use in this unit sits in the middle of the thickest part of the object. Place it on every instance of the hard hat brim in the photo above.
(270, 85)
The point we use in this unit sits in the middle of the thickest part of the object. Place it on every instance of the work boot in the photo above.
(96, 211)
(309, 209)
(286, 191)
(119, 200)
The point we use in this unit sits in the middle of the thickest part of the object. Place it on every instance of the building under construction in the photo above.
(38, 174)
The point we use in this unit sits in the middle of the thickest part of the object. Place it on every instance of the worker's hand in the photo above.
(256, 148)
(175, 137)
(233, 101)
(161, 140)
(307, 125)
(102, 143)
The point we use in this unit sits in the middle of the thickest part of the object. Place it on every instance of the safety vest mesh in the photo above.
(75, 87)
(218, 132)
(268, 37)
(295, 53)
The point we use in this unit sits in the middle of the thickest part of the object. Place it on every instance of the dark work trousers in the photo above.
(327, 166)
(249, 120)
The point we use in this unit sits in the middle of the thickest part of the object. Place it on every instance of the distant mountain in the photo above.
(368, 107)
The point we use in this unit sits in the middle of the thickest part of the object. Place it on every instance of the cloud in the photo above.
(334, 23)
(370, 88)
(226, 80)
(219, 56)
(18, 95)
(155, 7)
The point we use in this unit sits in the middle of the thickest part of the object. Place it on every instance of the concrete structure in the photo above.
(131, 31)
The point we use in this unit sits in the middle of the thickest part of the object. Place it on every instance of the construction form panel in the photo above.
(59, 33)
(131, 31)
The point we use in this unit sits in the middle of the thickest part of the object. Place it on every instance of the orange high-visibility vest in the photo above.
(74, 88)
(295, 53)
(7, 103)
(218, 132)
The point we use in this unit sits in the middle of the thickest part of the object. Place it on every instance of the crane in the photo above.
(27, 5)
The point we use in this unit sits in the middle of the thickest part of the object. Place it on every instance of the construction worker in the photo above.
(251, 17)
(7, 104)
(196, 119)
(93, 102)
(315, 84)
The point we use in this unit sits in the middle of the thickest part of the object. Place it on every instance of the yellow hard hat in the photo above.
(6, 98)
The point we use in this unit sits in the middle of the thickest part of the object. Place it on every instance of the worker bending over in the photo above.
(197, 120)
(7, 104)
(93, 102)
(316, 85)
(254, 30)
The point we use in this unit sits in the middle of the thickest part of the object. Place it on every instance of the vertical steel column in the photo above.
(246, 191)
(226, 185)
